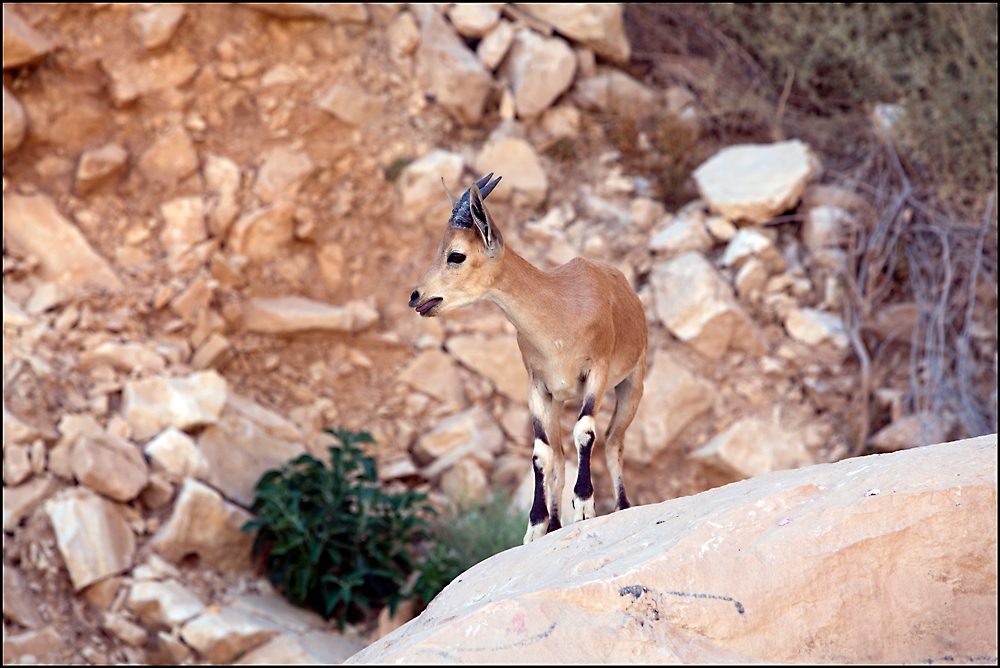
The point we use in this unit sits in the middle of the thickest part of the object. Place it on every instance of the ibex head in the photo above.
(469, 257)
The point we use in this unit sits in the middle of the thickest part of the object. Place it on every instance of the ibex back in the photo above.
(580, 328)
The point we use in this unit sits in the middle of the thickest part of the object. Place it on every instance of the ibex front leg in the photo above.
(584, 436)
(542, 460)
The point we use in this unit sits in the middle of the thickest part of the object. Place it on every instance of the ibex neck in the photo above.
(522, 292)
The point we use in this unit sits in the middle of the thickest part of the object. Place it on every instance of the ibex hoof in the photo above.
(535, 531)
(583, 509)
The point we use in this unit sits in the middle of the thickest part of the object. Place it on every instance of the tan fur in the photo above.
(580, 328)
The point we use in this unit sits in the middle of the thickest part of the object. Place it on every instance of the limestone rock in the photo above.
(238, 453)
(65, 256)
(42, 646)
(698, 307)
(680, 235)
(672, 398)
(282, 173)
(261, 233)
(540, 69)
(517, 162)
(751, 447)
(204, 524)
(912, 431)
(448, 71)
(289, 315)
(822, 226)
(465, 483)
(494, 46)
(22, 44)
(15, 122)
(220, 634)
(109, 465)
(92, 535)
(814, 327)
(124, 357)
(157, 25)
(276, 608)
(19, 501)
(98, 166)
(132, 78)
(16, 430)
(315, 647)
(748, 243)
(152, 404)
(472, 432)
(18, 602)
(752, 276)
(474, 19)
(720, 576)
(351, 106)
(175, 452)
(213, 352)
(346, 12)
(183, 224)
(420, 182)
(755, 182)
(403, 33)
(498, 359)
(124, 630)
(433, 372)
(611, 91)
(163, 604)
(16, 464)
(597, 26)
(170, 158)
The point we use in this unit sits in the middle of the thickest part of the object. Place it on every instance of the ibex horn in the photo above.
(487, 189)
(451, 195)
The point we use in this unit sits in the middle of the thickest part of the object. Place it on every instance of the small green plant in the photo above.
(334, 540)
(393, 171)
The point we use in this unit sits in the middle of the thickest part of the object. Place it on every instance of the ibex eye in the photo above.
(456, 258)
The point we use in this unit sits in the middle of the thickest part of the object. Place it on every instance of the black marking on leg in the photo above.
(554, 523)
(538, 510)
(539, 430)
(584, 488)
(588, 408)
(622, 503)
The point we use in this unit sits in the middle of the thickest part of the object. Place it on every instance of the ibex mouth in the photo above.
(426, 308)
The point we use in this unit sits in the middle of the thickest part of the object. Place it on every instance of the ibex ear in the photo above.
(483, 221)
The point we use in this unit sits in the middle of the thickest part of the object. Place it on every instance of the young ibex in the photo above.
(579, 327)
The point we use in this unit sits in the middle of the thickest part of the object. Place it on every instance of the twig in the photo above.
(776, 133)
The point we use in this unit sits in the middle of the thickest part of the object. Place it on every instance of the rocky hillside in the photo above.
(213, 218)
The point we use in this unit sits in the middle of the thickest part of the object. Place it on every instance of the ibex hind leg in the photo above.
(627, 394)
(585, 437)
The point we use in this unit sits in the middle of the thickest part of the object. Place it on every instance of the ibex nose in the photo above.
(414, 297)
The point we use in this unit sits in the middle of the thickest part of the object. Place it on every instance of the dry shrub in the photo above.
(766, 72)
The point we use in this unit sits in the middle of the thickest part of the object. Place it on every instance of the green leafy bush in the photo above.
(334, 540)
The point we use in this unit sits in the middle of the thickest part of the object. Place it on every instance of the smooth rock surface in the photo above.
(163, 604)
(433, 372)
(517, 162)
(109, 465)
(259, 234)
(794, 567)
(98, 166)
(755, 182)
